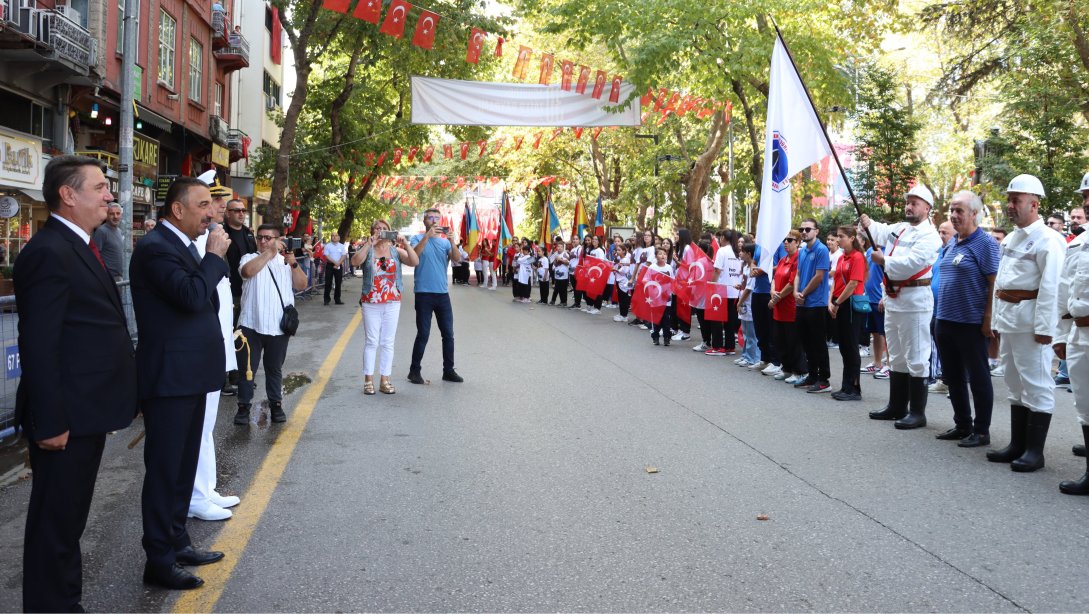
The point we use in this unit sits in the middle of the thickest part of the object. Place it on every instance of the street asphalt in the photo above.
(530, 488)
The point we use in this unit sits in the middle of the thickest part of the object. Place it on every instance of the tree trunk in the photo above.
(641, 214)
(756, 165)
(354, 200)
(698, 177)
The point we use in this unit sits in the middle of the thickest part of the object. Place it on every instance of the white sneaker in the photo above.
(702, 347)
(743, 363)
(594, 312)
(209, 511)
(758, 366)
(999, 371)
(678, 336)
(782, 375)
(863, 350)
(938, 387)
(612, 306)
(619, 318)
(793, 379)
(644, 327)
(772, 369)
(738, 360)
(224, 502)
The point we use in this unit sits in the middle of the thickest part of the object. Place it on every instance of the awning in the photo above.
(33, 194)
(153, 118)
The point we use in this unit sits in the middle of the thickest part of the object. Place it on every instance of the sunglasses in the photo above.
(789, 240)
(265, 238)
(804, 230)
(236, 210)
(382, 262)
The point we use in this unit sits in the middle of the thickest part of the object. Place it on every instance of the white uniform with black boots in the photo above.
(1073, 308)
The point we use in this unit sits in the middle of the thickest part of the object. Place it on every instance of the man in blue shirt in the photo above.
(761, 314)
(432, 294)
(811, 298)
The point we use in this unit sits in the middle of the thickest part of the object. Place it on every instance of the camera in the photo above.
(443, 229)
(388, 235)
(292, 243)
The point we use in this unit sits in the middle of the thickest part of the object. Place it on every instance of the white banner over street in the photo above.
(474, 103)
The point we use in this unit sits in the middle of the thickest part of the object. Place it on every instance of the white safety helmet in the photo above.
(920, 191)
(1026, 184)
(1084, 183)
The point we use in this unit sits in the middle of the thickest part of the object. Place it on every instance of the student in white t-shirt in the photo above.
(751, 352)
(662, 327)
(727, 272)
(542, 276)
(524, 274)
(622, 273)
(561, 270)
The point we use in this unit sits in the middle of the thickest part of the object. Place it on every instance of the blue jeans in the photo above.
(751, 352)
(428, 303)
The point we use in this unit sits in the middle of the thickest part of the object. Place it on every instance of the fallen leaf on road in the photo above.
(763, 517)
(652, 469)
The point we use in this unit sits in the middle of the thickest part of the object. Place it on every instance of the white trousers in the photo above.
(489, 274)
(907, 334)
(1077, 365)
(380, 325)
(205, 482)
(1028, 371)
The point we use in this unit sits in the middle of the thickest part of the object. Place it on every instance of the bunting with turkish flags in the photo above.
(614, 91)
(567, 68)
(476, 44)
(584, 78)
(424, 37)
(369, 11)
(651, 295)
(522, 62)
(716, 309)
(546, 69)
(394, 24)
(464, 150)
(593, 276)
(599, 84)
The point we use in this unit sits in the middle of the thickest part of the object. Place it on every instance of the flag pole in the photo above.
(824, 130)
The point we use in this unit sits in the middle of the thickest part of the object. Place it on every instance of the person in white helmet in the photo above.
(1072, 339)
(1025, 311)
(912, 248)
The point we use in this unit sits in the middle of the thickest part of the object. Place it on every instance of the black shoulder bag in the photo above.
(289, 322)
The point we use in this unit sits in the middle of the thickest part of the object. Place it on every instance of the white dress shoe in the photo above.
(209, 511)
(224, 502)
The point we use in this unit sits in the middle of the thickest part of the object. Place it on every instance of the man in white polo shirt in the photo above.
(335, 252)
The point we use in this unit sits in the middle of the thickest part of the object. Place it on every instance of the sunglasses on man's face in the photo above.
(804, 230)
(789, 240)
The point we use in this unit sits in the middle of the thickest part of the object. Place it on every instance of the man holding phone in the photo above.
(432, 294)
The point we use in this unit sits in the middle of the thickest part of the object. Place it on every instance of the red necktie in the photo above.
(98, 254)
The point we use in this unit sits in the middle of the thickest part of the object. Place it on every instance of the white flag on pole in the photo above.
(794, 142)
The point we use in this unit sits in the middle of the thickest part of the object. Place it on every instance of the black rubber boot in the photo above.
(1079, 450)
(916, 417)
(1018, 426)
(1033, 458)
(276, 411)
(1081, 485)
(242, 418)
(899, 393)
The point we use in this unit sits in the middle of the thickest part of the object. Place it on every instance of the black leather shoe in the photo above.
(975, 440)
(452, 376)
(191, 556)
(172, 577)
(242, 418)
(416, 378)
(229, 390)
(846, 396)
(910, 421)
(339, 302)
(276, 412)
(1079, 450)
(954, 434)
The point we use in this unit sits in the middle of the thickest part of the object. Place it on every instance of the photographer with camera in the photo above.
(270, 279)
(380, 257)
(433, 295)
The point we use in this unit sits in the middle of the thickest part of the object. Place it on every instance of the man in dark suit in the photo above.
(79, 376)
(180, 357)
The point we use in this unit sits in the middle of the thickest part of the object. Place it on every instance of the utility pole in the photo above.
(124, 141)
(730, 173)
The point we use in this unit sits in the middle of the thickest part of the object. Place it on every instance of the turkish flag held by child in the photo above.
(652, 291)
(594, 275)
(696, 268)
(716, 310)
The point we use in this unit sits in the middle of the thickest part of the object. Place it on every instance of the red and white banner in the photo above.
(473, 103)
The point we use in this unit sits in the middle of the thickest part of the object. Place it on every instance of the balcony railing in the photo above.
(236, 143)
(7, 10)
(221, 27)
(236, 54)
(68, 39)
(217, 129)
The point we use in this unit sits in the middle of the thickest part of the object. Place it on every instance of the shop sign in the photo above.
(162, 186)
(141, 194)
(9, 207)
(145, 151)
(220, 155)
(20, 161)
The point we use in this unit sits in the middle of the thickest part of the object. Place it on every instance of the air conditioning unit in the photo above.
(26, 21)
(270, 103)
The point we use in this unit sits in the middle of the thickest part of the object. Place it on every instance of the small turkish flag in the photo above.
(370, 158)
(567, 68)
(498, 146)
(597, 131)
(584, 78)
(412, 153)
(464, 149)
(340, 6)
(614, 92)
(594, 274)
(717, 309)
(518, 142)
(519, 71)
(499, 47)
(476, 43)
(483, 145)
(381, 158)
(673, 100)
(599, 84)
(546, 69)
(428, 152)
(397, 151)
(369, 11)
(662, 96)
(555, 133)
(645, 99)
(394, 25)
(578, 132)
(695, 269)
(425, 30)
(537, 140)
(448, 151)
(652, 292)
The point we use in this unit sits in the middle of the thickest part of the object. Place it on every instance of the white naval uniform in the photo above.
(908, 250)
(205, 482)
(1032, 259)
(1074, 301)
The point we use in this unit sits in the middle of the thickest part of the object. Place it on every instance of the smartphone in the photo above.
(443, 229)
(388, 235)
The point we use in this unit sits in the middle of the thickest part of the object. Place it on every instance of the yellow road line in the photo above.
(237, 532)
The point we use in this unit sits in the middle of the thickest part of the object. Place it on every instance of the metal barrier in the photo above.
(9, 338)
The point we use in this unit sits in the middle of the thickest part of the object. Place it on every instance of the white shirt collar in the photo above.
(181, 235)
(76, 229)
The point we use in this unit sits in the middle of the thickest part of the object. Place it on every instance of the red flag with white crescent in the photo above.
(340, 6)
(518, 142)
(594, 275)
(716, 308)
(547, 61)
(614, 91)
(537, 140)
(424, 37)
(448, 151)
(696, 268)
(599, 84)
(397, 151)
(567, 69)
(652, 292)
(584, 78)
(369, 11)
(394, 25)
(464, 149)
(483, 145)
(428, 152)
(520, 64)
(476, 43)
(412, 151)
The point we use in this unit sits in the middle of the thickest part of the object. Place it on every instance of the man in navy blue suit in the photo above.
(79, 376)
(180, 358)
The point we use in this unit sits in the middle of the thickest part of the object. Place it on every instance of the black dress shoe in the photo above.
(339, 302)
(954, 434)
(416, 378)
(452, 376)
(910, 421)
(191, 556)
(229, 390)
(172, 577)
(846, 396)
(975, 440)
